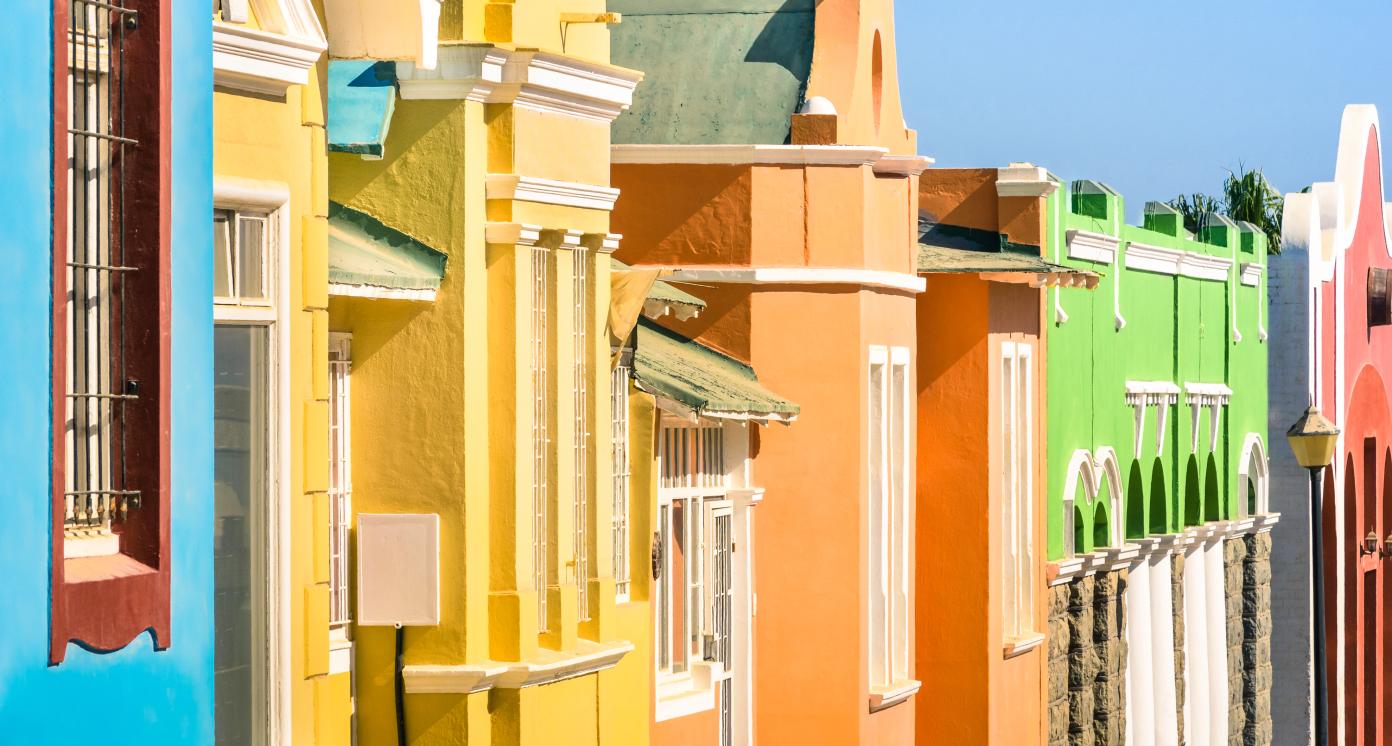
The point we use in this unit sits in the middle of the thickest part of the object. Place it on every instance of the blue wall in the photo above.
(134, 695)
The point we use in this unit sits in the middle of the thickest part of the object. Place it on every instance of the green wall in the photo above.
(1155, 327)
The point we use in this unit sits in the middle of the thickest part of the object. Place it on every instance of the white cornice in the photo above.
(745, 155)
(1092, 247)
(799, 276)
(903, 165)
(604, 243)
(539, 81)
(512, 233)
(1205, 267)
(1158, 259)
(1024, 180)
(1151, 392)
(1251, 273)
(261, 62)
(550, 191)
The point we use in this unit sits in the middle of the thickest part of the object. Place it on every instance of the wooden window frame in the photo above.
(103, 603)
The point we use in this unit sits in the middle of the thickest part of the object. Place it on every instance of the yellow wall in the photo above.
(282, 141)
(441, 408)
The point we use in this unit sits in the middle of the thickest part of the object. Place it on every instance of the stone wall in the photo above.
(1177, 599)
(1234, 560)
(1256, 643)
(1087, 661)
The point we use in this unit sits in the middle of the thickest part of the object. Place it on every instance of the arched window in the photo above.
(1080, 486)
(1109, 472)
(1252, 479)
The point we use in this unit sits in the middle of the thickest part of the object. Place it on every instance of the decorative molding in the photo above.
(1210, 396)
(748, 155)
(451, 679)
(1158, 259)
(381, 293)
(372, 29)
(604, 243)
(550, 191)
(1143, 394)
(656, 308)
(1251, 273)
(550, 666)
(520, 234)
(1024, 180)
(799, 276)
(903, 165)
(261, 62)
(1092, 247)
(539, 81)
(1205, 267)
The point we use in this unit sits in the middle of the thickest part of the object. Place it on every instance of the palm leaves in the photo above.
(1247, 195)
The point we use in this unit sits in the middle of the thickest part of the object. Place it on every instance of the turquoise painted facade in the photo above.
(134, 695)
(1164, 324)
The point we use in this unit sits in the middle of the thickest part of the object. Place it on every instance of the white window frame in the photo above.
(693, 473)
(889, 424)
(273, 200)
(618, 407)
(340, 499)
(1015, 398)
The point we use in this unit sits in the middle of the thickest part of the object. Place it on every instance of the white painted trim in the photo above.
(748, 155)
(381, 293)
(884, 698)
(261, 62)
(685, 702)
(798, 276)
(1252, 273)
(519, 234)
(1158, 259)
(234, 193)
(903, 165)
(550, 191)
(539, 81)
(1092, 247)
(465, 679)
(547, 668)
(1205, 267)
(604, 243)
(1024, 180)
(1023, 645)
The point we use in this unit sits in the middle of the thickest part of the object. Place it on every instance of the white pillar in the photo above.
(1217, 632)
(1162, 652)
(1196, 695)
(1140, 689)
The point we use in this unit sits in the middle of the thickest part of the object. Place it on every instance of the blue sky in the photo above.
(1152, 98)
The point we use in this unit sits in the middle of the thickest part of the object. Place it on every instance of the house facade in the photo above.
(281, 635)
(981, 425)
(1158, 516)
(108, 416)
(1328, 316)
(469, 282)
(765, 162)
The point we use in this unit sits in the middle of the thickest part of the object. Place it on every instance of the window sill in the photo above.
(340, 651)
(103, 567)
(549, 666)
(1022, 645)
(885, 697)
(686, 694)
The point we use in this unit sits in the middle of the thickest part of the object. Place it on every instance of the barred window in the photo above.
(110, 324)
(541, 434)
(581, 340)
(340, 475)
(618, 407)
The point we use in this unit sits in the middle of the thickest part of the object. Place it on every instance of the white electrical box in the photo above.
(398, 569)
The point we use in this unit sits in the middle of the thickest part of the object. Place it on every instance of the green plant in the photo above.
(1247, 195)
(1194, 208)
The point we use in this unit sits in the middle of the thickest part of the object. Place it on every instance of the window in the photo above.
(581, 340)
(1015, 400)
(618, 407)
(541, 434)
(340, 476)
(890, 520)
(691, 500)
(111, 347)
(240, 252)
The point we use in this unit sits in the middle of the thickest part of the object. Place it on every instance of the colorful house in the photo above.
(107, 426)
(469, 276)
(282, 650)
(981, 426)
(1158, 522)
(766, 162)
(1328, 321)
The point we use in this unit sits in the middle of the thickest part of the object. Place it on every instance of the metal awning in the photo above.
(1001, 266)
(696, 380)
(370, 259)
(362, 97)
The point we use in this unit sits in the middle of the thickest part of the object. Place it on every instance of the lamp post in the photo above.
(1313, 439)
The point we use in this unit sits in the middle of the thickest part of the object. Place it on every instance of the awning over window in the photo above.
(700, 380)
(661, 298)
(370, 259)
(948, 249)
(362, 96)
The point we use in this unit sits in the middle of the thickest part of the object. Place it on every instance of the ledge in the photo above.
(882, 698)
(747, 155)
(1092, 247)
(1022, 645)
(261, 62)
(549, 666)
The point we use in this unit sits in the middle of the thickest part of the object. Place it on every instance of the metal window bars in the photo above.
(95, 484)
(618, 398)
(541, 435)
(693, 456)
(340, 480)
(581, 338)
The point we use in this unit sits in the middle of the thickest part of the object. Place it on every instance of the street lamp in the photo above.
(1313, 439)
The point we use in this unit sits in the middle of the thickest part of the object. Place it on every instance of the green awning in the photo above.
(697, 378)
(664, 298)
(951, 249)
(369, 258)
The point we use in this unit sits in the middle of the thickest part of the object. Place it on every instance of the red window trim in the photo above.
(104, 603)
